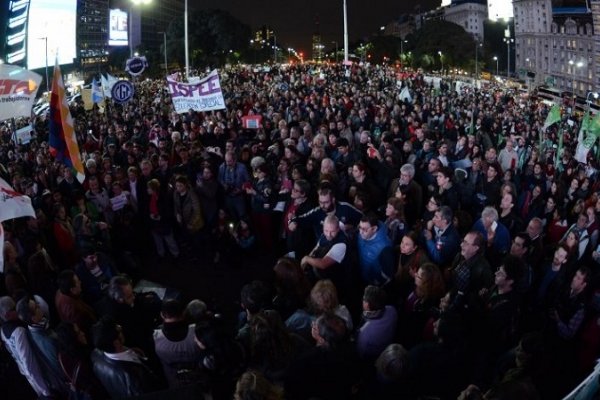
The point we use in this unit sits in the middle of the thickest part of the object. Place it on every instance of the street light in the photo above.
(573, 64)
(441, 61)
(402, 41)
(133, 3)
(508, 40)
(345, 33)
(477, 45)
(496, 59)
(165, 44)
(588, 101)
(186, 41)
(45, 39)
(336, 50)
(275, 48)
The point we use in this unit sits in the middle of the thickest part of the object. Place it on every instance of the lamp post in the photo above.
(477, 45)
(275, 49)
(165, 51)
(441, 61)
(402, 41)
(45, 39)
(578, 65)
(588, 101)
(133, 3)
(336, 50)
(345, 33)
(508, 40)
(186, 40)
(496, 59)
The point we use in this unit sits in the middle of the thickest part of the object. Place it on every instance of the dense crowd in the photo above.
(426, 246)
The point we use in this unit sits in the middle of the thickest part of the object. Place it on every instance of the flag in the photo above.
(86, 97)
(558, 154)
(584, 147)
(13, 204)
(62, 140)
(107, 84)
(106, 87)
(594, 126)
(553, 116)
(97, 95)
(405, 95)
(18, 88)
(582, 151)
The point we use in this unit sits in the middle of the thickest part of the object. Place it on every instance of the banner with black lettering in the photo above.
(18, 88)
(205, 95)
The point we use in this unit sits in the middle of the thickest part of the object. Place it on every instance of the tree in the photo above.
(455, 43)
(211, 34)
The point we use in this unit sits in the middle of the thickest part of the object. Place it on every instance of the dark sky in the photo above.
(294, 21)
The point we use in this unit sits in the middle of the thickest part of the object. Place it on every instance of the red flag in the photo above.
(62, 140)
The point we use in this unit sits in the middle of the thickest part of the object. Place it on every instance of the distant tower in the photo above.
(317, 45)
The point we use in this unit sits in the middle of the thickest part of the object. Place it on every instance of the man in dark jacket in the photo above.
(122, 371)
(470, 273)
(329, 370)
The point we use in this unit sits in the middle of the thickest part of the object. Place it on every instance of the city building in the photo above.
(555, 43)
(468, 14)
(92, 34)
(400, 28)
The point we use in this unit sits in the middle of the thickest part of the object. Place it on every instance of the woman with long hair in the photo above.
(412, 256)
(417, 309)
(291, 285)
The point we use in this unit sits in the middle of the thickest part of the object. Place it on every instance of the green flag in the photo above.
(553, 116)
(594, 126)
(585, 122)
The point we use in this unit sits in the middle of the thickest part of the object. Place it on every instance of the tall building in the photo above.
(557, 44)
(468, 14)
(92, 34)
(400, 27)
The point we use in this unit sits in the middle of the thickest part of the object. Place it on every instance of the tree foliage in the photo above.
(211, 34)
(457, 46)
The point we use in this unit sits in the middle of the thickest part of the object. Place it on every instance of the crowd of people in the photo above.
(433, 246)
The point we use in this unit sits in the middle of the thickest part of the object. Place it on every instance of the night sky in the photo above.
(294, 21)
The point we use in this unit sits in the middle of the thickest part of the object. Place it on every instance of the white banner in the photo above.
(13, 204)
(18, 88)
(205, 95)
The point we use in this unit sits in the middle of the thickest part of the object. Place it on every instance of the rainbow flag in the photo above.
(63, 141)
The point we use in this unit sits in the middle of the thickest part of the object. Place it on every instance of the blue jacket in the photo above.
(441, 250)
(502, 239)
(376, 258)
